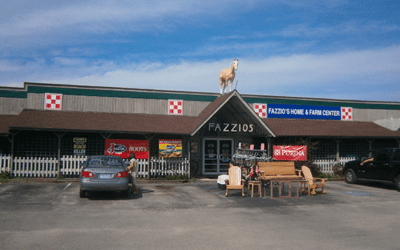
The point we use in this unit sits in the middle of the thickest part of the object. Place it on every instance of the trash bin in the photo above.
(221, 181)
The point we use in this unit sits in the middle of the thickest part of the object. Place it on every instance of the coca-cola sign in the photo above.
(124, 148)
(290, 153)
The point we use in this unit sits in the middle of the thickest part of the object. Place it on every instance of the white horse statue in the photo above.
(228, 75)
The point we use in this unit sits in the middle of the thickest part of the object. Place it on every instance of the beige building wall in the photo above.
(116, 105)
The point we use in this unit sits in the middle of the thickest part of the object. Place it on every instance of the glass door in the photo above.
(225, 154)
(216, 155)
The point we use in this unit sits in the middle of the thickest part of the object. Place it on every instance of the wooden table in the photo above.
(281, 180)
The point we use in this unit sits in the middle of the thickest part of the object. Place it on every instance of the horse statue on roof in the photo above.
(228, 75)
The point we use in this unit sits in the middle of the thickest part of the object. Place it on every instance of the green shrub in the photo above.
(5, 175)
(337, 169)
(182, 177)
(322, 175)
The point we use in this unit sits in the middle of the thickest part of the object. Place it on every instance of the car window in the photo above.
(104, 162)
(382, 156)
(396, 155)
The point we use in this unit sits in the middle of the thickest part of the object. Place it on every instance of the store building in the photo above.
(54, 120)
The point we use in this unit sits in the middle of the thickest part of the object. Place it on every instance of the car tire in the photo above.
(82, 194)
(350, 176)
(125, 193)
(397, 181)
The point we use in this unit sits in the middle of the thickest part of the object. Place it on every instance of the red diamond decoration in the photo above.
(175, 107)
(52, 101)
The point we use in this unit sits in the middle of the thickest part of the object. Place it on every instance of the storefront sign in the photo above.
(290, 153)
(308, 112)
(124, 148)
(170, 148)
(230, 127)
(79, 146)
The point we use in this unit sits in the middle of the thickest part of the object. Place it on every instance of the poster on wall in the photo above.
(123, 148)
(290, 153)
(193, 147)
(79, 146)
(170, 148)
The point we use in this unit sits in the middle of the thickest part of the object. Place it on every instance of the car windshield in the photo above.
(104, 162)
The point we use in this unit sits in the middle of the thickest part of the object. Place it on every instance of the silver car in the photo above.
(104, 173)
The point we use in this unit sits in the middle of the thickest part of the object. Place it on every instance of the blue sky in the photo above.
(326, 49)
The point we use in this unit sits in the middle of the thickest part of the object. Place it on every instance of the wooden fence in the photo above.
(70, 167)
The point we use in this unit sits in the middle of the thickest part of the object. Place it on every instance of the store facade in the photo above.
(54, 120)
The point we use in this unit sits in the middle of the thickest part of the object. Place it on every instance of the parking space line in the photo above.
(358, 193)
(222, 191)
(69, 184)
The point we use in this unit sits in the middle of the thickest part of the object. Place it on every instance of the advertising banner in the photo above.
(290, 153)
(124, 148)
(170, 148)
(304, 112)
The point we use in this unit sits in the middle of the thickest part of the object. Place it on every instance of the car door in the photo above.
(378, 168)
(394, 166)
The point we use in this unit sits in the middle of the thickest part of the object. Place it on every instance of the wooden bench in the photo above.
(278, 168)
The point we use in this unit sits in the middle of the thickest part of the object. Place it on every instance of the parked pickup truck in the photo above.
(382, 165)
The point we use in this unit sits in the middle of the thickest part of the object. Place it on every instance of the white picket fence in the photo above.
(5, 162)
(46, 167)
(170, 166)
(71, 166)
(326, 165)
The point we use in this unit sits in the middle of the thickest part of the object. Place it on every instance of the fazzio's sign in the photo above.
(290, 153)
(230, 127)
(124, 148)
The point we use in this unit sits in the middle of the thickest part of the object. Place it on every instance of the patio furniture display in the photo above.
(281, 180)
(249, 157)
(312, 183)
(235, 181)
(281, 173)
(252, 184)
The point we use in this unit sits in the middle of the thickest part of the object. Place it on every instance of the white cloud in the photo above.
(345, 75)
(305, 30)
(96, 17)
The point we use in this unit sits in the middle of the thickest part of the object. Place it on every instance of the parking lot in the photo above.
(197, 215)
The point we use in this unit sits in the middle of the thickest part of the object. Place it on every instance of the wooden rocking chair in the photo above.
(235, 179)
(312, 183)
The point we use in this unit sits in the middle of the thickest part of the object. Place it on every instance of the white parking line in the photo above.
(69, 184)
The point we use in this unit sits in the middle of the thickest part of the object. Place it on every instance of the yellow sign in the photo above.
(170, 148)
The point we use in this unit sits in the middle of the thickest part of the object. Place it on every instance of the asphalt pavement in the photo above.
(197, 215)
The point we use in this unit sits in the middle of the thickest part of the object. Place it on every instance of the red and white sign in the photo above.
(346, 113)
(52, 101)
(124, 148)
(261, 109)
(290, 153)
(175, 107)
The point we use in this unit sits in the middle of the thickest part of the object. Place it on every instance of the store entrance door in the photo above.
(216, 155)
